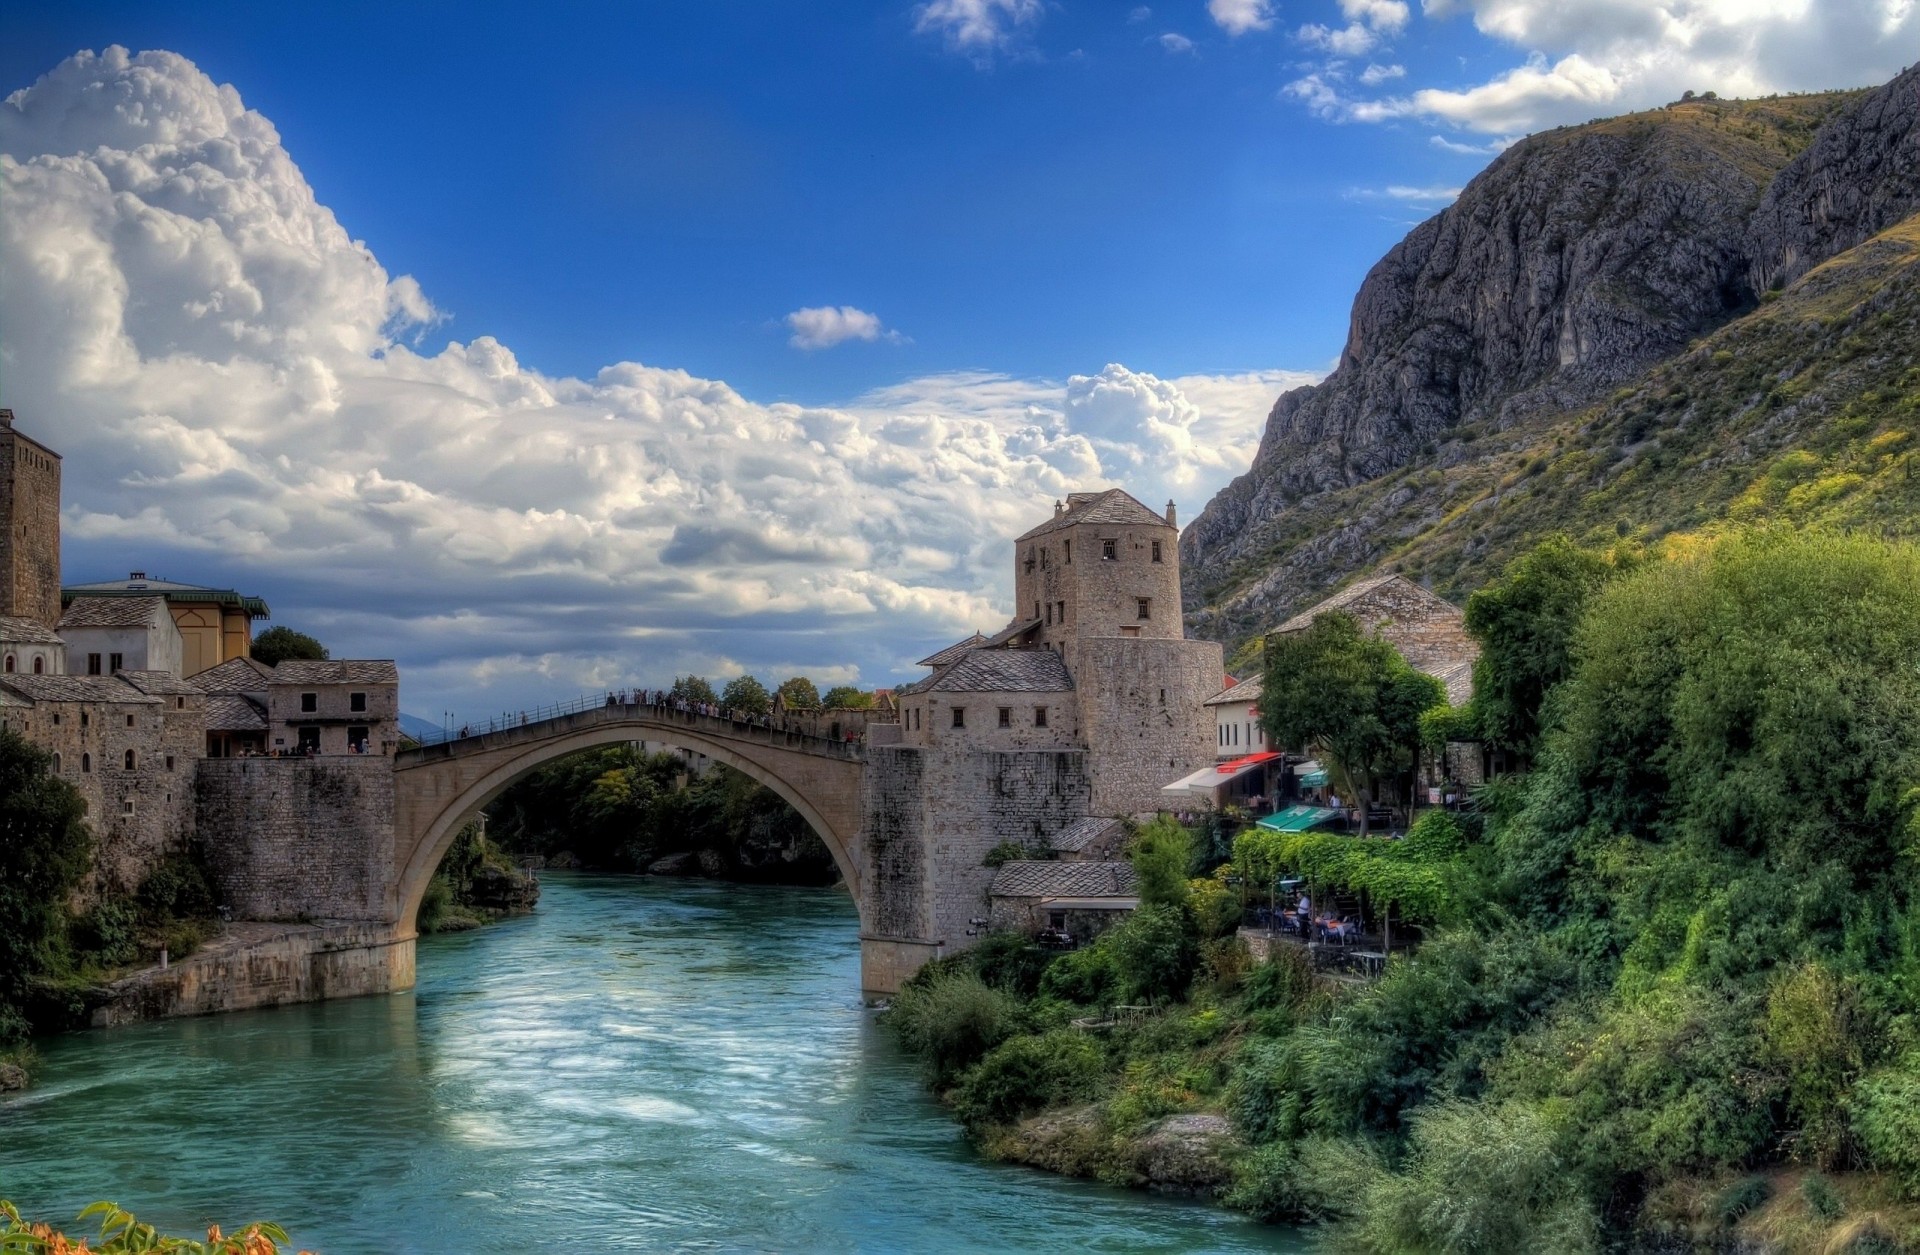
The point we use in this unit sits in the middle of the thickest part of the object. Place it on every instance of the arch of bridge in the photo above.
(438, 788)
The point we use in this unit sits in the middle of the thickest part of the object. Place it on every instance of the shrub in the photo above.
(1747, 1195)
(951, 1022)
(107, 933)
(176, 889)
(1813, 1032)
(1027, 1074)
(1284, 982)
(121, 1234)
(1886, 1119)
(1822, 1199)
(44, 850)
(1087, 976)
(1154, 951)
(1009, 961)
(1162, 857)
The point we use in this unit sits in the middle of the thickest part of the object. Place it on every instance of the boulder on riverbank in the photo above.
(685, 863)
(1187, 1154)
(12, 1077)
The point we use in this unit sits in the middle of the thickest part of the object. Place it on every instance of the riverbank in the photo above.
(641, 1063)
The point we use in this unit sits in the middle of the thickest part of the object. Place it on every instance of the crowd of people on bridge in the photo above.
(654, 699)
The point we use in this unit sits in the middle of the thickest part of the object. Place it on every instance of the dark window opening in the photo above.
(1145, 607)
(1039, 716)
(9, 664)
(169, 762)
(1156, 551)
(56, 764)
(309, 740)
(130, 760)
(86, 763)
(93, 664)
(85, 718)
(309, 703)
(39, 666)
(1049, 614)
(1109, 550)
(1067, 558)
(959, 716)
(1006, 716)
(129, 721)
(116, 662)
(357, 740)
(356, 702)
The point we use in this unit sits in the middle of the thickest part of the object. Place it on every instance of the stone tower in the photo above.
(29, 527)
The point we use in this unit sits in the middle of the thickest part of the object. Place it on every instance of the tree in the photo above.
(44, 851)
(1349, 695)
(278, 644)
(800, 694)
(1525, 622)
(747, 695)
(693, 688)
(1162, 858)
(847, 697)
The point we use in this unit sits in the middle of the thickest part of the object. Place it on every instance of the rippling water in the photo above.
(640, 1065)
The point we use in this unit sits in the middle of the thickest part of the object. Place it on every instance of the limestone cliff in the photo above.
(1579, 261)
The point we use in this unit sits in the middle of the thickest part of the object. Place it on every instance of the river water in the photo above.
(639, 1065)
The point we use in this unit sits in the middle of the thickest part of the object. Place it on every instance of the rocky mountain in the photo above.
(1608, 318)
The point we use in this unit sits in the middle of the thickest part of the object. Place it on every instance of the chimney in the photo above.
(136, 575)
(6, 418)
(1057, 508)
(1171, 522)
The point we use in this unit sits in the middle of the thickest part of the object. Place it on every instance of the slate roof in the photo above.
(235, 675)
(1081, 833)
(1245, 691)
(135, 586)
(160, 683)
(953, 652)
(1003, 671)
(229, 712)
(77, 688)
(112, 612)
(1028, 878)
(1019, 627)
(1115, 507)
(26, 631)
(1458, 677)
(336, 671)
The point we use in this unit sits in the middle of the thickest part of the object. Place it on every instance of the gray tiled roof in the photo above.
(1458, 677)
(26, 631)
(235, 675)
(113, 612)
(77, 688)
(1245, 691)
(1019, 627)
(1024, 878)
(229, 712)
(1354, 592)
(337, 671)
(1081, 833)
(160, 683)
(953, 652)
(1115, 506)
(1004, 671)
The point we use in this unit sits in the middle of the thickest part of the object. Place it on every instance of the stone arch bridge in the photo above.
(439, 787)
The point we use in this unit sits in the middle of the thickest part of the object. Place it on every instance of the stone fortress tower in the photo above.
(1084, 705)
(29, 527)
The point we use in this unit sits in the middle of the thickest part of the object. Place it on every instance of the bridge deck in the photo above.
(641, 717)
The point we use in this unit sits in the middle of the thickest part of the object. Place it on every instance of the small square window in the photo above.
(356, 702)
(126, 806)
(309, 703)
(1109, 550)
(129, 721)
(959, 716)
(1006, 716)
(1039, 716)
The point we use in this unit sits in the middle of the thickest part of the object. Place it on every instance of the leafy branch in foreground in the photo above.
(121, 1234)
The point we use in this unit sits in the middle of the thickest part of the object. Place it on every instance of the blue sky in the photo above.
(554, 347)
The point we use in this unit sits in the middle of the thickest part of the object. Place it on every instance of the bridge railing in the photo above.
(626, 699)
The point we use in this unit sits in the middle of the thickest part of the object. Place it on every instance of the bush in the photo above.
(1742, 1198)
(1162, 857)
(107, 934)
(1026, 1074)
(176, 889)
(1009, 961)
(1292, 1182)
(1154, 951)
(1088, 977)
(1822, 1199)
(951, 1022)
(1886, 1119)
(1283, 983)
(44, 851)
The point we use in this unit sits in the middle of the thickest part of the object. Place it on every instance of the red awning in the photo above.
(1235, 766)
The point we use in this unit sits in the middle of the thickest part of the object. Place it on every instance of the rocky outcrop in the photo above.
(1577, 261)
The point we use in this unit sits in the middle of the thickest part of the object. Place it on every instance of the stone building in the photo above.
(330, 707)
(1428, 630)
(29, 527)
(109, 634)
(216, 624)
(29, 647)
(129, 743)
(1081, 900)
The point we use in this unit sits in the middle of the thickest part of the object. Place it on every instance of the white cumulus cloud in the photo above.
(244, 395)
(977, 28)
(1175, 42)
(1237, 17)
(823, 326)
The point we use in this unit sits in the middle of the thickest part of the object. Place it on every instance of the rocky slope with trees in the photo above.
(1609, 319)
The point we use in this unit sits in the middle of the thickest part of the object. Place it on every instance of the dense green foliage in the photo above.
(1678, 959)
(278, 644)
(121, 1234)
(799, 693)
(694, 688)
(1349, 696)
(476, 882)
(746, 695)
(618, 809)
(847, 697)
(44, 851)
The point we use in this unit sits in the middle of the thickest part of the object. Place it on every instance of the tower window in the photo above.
(130, 760)
(1039, 716)
(1049, 614)
(1067, 554)
(1006, 716)
(169, 762)
(959, 716)
(86, 763)
(1063, 612)
(129, 721)
(1036, 609)
(1156, 551)
(56, 764)
(1145, 607)
(85, 718)
(9, 664)
(1109, 550)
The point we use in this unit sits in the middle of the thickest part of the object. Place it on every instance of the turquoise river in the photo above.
(639, 1065)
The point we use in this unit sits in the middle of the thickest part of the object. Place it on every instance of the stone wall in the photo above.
(29, 527)
(265, 966)
(300, 838)
(1141, 709)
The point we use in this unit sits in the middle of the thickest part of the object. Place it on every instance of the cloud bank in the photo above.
(243, 392)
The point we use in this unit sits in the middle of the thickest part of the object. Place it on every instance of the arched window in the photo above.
(129, 760)
(39, 665)
(9, 664)
(86, 763)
